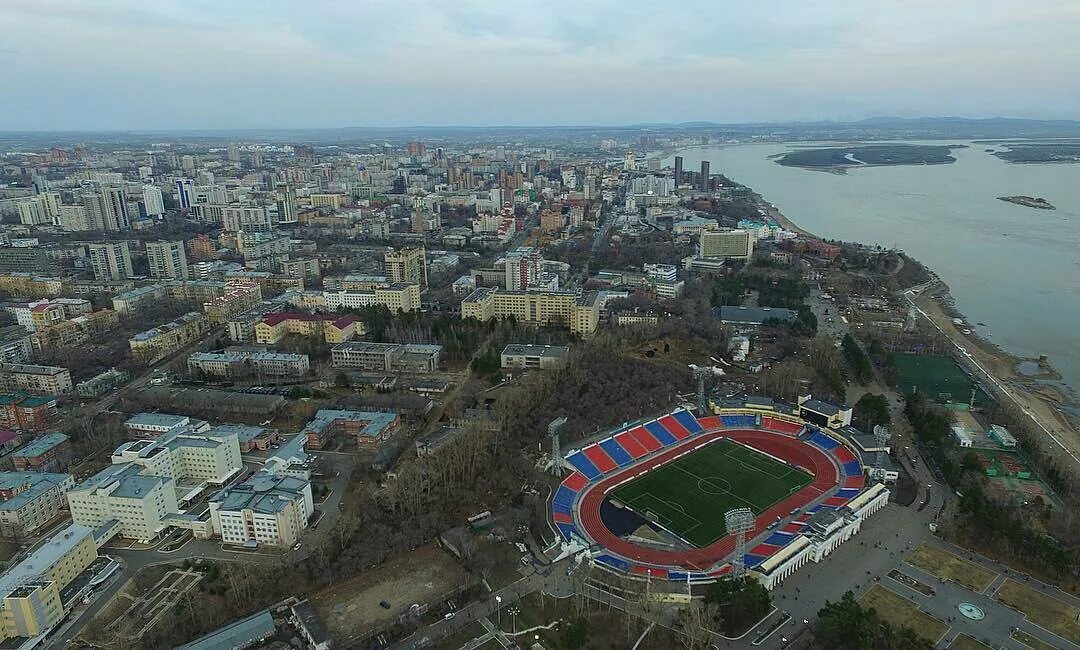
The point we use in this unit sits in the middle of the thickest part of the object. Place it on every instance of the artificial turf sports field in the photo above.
(690, 495)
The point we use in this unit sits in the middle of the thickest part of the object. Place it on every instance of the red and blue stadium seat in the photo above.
(821, 440)
(601, 460)
(673, 427)
(616, 452)
(843, 454)
(630, 444)
(854, 482)
(642, 435)
(650, 571)
(852, 468)
(660, 433)
(688, 421)
(582, 464)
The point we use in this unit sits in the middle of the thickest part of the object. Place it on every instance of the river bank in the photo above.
(1041, 396)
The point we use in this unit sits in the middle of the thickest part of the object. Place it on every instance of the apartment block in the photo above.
(46, 453)
(239, 296)
(23, 411)
(29, 500)
(139, 502)
(578, 312)
(369, 428)
(243, 363)
(167, 259)
(407, 265)
(153, 345)
(47, 380)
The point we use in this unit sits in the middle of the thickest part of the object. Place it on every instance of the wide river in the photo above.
(1016, 269)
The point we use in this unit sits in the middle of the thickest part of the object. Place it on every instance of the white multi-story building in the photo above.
(152, 201)
(110, 261)
(265, 509)
(152, 425)
(167, 259)
(238, 363)
(121, 492)
(208, 457)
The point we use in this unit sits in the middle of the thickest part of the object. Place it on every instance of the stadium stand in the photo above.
(575, 481)
(853, 468)
(738, 421)
(688, 421)
(584, 465)
(650, 571)
(854, 482)
(674, 427)
(617, 453)
(781, 426)
(848, 493)
(823, 441)
(632, 446)
(601, 460)
(564, 499)
(567, 530)
(843, 454)
(612, 561)
(660, 433)
(642, 435)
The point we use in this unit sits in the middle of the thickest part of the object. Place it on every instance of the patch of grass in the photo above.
(901, 612)
(965, 642)
(947, 566)
(690, 495)
(1030, 641)
(1045, 611)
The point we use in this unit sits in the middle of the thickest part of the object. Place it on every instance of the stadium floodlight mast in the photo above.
(739, 521)
(556, 450)
(881, 435)
(700, 374)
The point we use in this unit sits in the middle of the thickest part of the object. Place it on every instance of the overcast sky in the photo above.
(159, 64)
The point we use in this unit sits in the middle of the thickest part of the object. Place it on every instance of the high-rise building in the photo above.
(678, 170)
(185, 193)
(155, 206)
(704, 175)
(117, 213)
(407, 265)
(110, 261)
(167, 259)
(523, 267)
(286, 204)
(629, 164)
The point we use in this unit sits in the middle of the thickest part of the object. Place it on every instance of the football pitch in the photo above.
(690, 495)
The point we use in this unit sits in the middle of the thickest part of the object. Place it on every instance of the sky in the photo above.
(199, 64)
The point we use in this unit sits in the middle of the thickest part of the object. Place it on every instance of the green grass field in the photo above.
(936, 377)
(690, 496)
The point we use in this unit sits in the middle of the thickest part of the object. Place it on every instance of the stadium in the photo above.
(649, 499)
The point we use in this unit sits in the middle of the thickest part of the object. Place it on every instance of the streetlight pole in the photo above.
(498, 609)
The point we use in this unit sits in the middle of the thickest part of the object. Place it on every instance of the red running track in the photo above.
(826, 476)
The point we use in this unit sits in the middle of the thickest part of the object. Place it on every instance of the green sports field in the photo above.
(937, 377)
(690, 496)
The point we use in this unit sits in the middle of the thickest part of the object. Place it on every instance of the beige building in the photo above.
(239, 296)
(242, 363)
(737, 244)
(407, 265)
(265, 509)
(209, 457)
(30, 590)
(153, 345)
(139, 502)
(578, 312)
(48, 380)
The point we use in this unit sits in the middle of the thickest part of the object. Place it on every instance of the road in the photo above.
(968, 359)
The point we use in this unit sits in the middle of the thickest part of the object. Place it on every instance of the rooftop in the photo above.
(550, 351)
(34, 566)
(738, 314)
(32, 485)
(156, 420)
(240, 634)
(41, 445)
(373, 421)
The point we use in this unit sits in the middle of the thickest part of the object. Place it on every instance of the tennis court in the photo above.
(690, 495)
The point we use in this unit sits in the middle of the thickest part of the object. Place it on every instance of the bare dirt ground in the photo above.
(425, 575)
(1040, 401)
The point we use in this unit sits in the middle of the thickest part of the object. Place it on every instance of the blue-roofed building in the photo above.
(245, 633)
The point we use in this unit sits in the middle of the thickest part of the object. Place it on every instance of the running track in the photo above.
(818, 462)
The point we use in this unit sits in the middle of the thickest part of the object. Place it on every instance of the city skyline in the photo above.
(125, 65)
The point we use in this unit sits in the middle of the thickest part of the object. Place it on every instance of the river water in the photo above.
(1016, 269)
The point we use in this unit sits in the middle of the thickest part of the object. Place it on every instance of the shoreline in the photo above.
(995, 368)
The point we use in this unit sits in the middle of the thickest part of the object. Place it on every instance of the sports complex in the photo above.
(649, 498)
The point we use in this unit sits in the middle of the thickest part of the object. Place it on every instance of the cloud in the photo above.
(277, 63)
